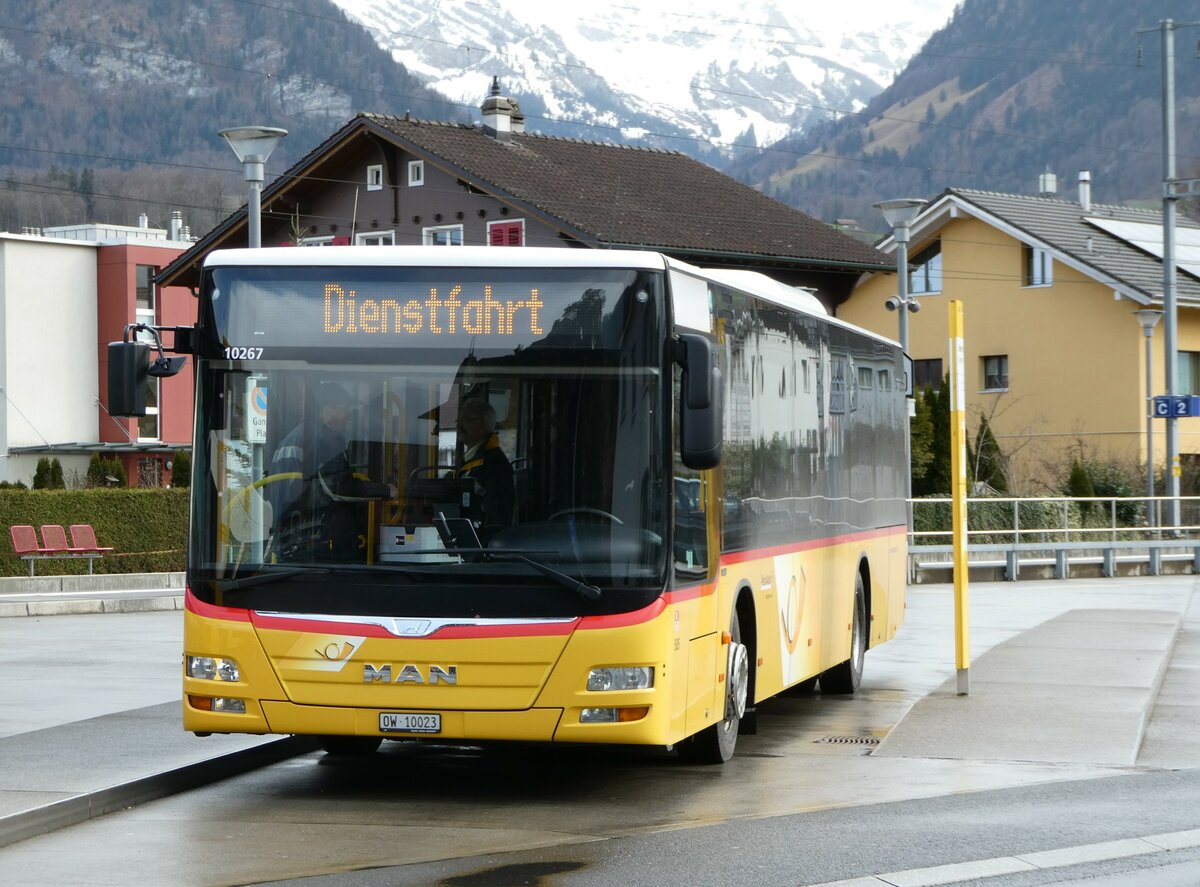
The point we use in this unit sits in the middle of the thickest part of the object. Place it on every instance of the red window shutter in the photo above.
(506, 234)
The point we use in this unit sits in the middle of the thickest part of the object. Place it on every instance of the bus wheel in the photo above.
(845, 677)
(715, 744)
(351, 746)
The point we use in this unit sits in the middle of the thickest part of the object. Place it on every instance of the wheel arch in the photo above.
(743, 605)
(864, 570)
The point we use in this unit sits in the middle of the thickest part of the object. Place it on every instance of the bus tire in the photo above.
(715, 744)
(846, 677)
(351, 746)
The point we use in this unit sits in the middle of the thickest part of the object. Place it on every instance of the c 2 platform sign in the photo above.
(256, 410)
(1178, 406)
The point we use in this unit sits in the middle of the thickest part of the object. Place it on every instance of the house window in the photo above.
(1188, 364)
(145, 312)
(995, 372)
(506, 233)
(376, 238)
(927, 374)
(443, 235)
(375, 177)
(865, 377)
(416, 173)
(1039, 267)
(925, 270)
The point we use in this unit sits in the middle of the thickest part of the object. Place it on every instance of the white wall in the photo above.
(48, 370)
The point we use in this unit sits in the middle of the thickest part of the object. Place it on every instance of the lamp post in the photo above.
(253, 145)
(1148, 318)
(900, 214)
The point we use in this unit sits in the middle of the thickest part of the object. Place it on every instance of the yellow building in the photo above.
(1055, 357)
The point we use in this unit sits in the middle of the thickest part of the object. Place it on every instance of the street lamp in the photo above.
(900, 214)
(1148, 318)
(253, 145)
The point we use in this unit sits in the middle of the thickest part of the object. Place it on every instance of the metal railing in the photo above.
(1058, 530)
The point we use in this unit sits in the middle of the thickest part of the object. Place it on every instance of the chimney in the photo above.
(497, 113)
(518, 117)
(143, 220)
(1047, 183)
(1085, 190)
(176, 225)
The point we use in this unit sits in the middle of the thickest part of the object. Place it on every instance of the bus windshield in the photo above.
(430, 441)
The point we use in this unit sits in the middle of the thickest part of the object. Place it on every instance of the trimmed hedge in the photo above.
(147, 528)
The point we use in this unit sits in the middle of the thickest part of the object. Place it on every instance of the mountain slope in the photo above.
(108, 84)
(1006, 90)
(710, 73)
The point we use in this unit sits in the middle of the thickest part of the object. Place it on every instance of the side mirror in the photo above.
(129, 367)
(700, 413)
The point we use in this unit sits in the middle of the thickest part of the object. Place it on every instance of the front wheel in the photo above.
(846, 677)
(715, 744)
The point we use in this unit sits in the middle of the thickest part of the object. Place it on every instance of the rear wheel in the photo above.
(845, 677)
(715, 744)
(351, 746)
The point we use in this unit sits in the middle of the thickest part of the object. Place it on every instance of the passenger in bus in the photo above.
(318, 513)
(484, 462)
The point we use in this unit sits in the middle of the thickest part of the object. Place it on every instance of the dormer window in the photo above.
(416, 173)
(375, 177)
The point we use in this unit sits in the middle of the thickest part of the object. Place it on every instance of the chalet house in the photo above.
(1055, 356)
(398, 180)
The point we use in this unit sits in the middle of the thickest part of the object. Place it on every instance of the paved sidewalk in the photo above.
(1102, 672)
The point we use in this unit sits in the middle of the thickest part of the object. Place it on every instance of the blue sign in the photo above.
(1179, 406)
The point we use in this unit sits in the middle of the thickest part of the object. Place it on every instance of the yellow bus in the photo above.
(693, 497)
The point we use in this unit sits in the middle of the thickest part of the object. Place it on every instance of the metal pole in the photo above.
(958, 488)
(254, 213)
(901, 234)
(1169, 310)
(1149, 333)
(902, 293)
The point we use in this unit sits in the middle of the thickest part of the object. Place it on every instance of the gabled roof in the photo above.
(602, 195)
(1083, 240)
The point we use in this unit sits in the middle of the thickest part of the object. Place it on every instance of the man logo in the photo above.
(410, 674)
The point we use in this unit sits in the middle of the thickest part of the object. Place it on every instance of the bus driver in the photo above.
(485, 463)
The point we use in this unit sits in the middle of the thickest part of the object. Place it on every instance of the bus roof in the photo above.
(753, 282)
(436, 257)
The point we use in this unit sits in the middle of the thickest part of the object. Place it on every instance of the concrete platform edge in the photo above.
(79, 808)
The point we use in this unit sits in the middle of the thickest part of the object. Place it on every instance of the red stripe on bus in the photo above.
(450, 632)
(212, 611)
(621, 620)
(739, 557)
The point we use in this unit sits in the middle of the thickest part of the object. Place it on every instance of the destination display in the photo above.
(256, 310)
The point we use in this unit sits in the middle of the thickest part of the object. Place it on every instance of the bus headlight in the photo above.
(212, 668)
(639, 677)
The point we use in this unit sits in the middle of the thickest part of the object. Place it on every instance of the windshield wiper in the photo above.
(265, 578)
(581, 588)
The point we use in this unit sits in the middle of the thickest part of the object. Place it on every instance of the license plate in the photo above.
(409, 722)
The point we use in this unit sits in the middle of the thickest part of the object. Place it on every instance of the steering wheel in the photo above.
(592, 511)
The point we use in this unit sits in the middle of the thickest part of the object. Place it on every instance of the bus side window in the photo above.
(691, 518)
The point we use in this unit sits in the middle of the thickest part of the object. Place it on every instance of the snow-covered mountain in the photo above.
(709, 73)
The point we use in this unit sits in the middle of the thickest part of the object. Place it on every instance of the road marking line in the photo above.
(1045, 859)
